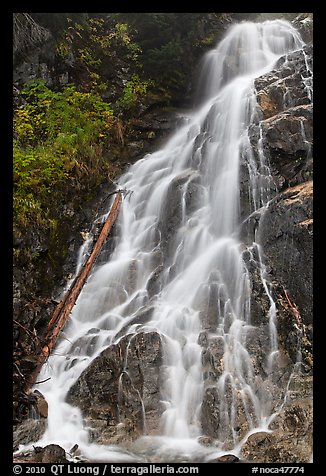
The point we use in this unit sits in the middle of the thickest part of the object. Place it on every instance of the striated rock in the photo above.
(148, 131)
(216, 409)
(287, 239)
(212, 358)
(287, 84)
(119, 392)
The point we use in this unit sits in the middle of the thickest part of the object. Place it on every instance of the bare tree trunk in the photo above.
(63, 309)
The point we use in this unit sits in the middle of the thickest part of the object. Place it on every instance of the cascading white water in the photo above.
(184, 214)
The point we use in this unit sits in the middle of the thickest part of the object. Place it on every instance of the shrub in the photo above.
(55, 136)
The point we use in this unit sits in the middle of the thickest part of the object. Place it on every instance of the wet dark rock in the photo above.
(256, 446)
(259, 302)
(215, 420)
(287, 140)
(283, 133)
(300, 387)
(210, 414)
(286, 234)
(154, 283)
(119, 391)
(257, 344)
(170, 217)
(296, 419)
(142, 316)
(148, 131)
(280, 94)
(212, 359)
(284, 230)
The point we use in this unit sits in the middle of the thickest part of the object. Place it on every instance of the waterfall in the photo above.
(181, 230)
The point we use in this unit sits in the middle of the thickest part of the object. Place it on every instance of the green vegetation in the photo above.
(104, 51)
(58, 138)
(170, 45)
(134, 91)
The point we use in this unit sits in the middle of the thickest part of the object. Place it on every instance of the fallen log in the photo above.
(63, 309)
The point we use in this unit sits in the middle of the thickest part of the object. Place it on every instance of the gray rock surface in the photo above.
(118, 392)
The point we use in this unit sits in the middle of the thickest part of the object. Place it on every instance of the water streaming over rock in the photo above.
(180, 269)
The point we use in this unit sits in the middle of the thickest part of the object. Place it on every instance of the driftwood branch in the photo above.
(65, 306)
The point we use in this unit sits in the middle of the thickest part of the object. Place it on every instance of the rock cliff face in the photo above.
(119, 392)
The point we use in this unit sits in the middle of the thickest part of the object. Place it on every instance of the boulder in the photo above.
(227, 459)
(41, 404)
(118, 392)
(51, 454)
